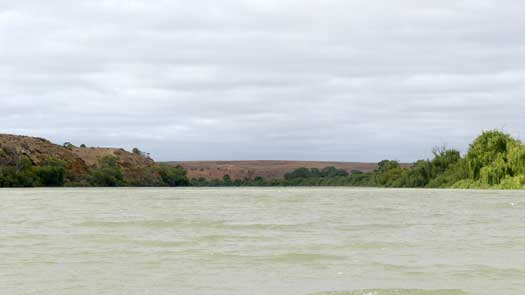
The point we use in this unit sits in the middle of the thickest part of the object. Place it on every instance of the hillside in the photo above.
(79, 162)
(39, 150)
(494, 160)
(266, 169)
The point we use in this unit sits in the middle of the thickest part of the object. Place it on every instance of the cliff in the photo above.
(78, 160)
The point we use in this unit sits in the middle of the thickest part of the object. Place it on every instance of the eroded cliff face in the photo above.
(38, 150)
(79, 160)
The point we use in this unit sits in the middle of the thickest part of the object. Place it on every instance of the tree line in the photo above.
(493, 160)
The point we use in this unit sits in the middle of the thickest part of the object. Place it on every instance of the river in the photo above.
(261, 241)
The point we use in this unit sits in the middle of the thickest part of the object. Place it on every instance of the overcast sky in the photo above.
(343, 80)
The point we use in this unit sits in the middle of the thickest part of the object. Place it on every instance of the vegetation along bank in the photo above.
(494, 160)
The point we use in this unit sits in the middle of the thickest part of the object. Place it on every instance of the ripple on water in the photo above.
(261, 241)
(303, 257)
(286, 258)
(396, 292)
(152, 223)
(188, 223)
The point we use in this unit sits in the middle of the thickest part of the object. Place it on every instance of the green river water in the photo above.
(261, 241)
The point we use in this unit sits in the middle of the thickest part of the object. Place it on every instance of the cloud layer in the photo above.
(349, 80)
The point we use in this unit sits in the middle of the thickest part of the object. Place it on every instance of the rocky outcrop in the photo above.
(79, 160)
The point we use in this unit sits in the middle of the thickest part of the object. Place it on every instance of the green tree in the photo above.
(52, 172)
(387, 173)
(443, 159)
(418, 175)
(173, 175)
(489, 147)
(138, 152)
(297, 173)
(333, 172)
(107, 174)
(226, 179)
(516, 159)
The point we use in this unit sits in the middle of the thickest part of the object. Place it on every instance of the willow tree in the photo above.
(487, 156)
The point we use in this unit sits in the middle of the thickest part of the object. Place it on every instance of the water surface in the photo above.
(261, 241)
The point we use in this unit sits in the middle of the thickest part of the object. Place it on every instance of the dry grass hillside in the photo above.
(267, 169)
(79, 159)
(92, 155)
(39, 150)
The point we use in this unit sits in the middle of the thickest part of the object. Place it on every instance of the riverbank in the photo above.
(494, 160)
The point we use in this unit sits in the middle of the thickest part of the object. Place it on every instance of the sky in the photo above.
(345, 80)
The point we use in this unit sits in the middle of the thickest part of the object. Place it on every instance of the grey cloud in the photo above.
(263, 79)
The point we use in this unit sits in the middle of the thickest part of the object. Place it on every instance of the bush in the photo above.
(10, 177)
(52, 173)
(517, 182)
(173, 175)
(108, 174)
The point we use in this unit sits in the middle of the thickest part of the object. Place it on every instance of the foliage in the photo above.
(494, 160)
(52, 173)
(173, 175)
(448, 178)
(315, 173)
(68, 145)
(140, 153)
(387, 173)
(11, 177)
(107, 174)
(15, 169)
(418, 176)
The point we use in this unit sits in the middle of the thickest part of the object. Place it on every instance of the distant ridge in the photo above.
(267, 169)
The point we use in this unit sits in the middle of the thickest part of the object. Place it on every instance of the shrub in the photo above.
(108, 174)
(173, 175)
(52, 173)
